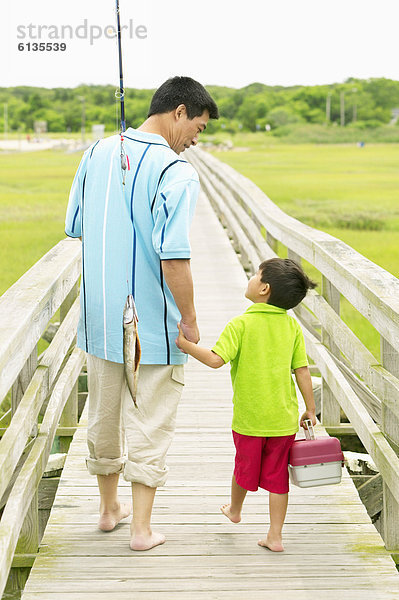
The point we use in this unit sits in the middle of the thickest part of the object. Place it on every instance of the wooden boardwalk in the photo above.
(332, 549)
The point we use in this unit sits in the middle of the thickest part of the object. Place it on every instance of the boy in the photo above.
(264, 345)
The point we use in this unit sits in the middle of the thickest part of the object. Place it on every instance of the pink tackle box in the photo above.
(315, 461)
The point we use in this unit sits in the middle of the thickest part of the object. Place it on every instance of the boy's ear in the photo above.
(265, 289)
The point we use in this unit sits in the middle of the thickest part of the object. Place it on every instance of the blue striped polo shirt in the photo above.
(126, 231)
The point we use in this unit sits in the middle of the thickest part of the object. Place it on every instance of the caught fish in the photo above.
(131, 346)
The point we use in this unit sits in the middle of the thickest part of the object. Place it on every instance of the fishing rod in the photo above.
(131, 340)
(121, 94)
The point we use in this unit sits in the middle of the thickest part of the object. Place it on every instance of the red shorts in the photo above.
(262, 462)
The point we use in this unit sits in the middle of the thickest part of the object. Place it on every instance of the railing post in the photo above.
(28, 544)
(272, 242)
(330, 408)
(390, 427)
(69, 417)
(69, 300)
(294, 256)
(23, 380)
(28, 541)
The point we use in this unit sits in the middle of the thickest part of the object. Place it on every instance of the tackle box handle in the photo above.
(309, 431)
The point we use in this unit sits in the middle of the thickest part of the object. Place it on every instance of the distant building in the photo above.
(395, 116)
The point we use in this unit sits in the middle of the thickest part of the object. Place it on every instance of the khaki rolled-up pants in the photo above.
(114, 421)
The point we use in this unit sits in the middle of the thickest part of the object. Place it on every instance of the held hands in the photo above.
(185, 333)
(308, 414)
(181, 339)
(188, 331)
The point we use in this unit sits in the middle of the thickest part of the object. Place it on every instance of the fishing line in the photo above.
(120, 94)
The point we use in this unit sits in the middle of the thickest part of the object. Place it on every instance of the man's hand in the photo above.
(190, 331)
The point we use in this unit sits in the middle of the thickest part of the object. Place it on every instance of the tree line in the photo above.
(357, 103)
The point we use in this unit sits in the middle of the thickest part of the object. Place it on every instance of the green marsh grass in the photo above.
(34, 190)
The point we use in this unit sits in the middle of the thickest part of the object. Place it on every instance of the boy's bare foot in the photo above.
(234, 517)
(275, 545)
(110, 519)
(146, 542)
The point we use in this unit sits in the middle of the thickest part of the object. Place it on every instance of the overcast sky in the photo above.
(220, 42)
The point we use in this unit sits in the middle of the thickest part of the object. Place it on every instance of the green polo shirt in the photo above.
(263, 346)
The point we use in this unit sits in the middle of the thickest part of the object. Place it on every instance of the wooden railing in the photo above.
(366, 389)
(45, 384)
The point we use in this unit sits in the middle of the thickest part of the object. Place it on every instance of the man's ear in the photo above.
(265, 289)
(180, 111)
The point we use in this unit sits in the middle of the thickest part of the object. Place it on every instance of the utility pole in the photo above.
(5, 120)
(354, 117)
(83, 121)
(342, 107)
(328, 108)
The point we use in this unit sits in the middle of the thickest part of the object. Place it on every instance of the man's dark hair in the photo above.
(183, 90)
(288, 283)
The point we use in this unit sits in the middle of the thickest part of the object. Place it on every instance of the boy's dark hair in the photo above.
(183, 90)
(288, 283)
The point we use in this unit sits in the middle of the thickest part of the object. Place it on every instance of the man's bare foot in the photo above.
(274, 545)
(110, 519)
(234, 517)
(146, 542)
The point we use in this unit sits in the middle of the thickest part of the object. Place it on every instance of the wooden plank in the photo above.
(237, 594)
(65, 565)
(79, 534)
(212, 583)
(213, 498)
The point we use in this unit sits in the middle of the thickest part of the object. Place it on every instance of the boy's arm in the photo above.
(304, 381)
(204, 355)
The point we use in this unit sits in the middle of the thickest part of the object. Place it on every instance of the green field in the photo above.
(350, 192)
(34, 190)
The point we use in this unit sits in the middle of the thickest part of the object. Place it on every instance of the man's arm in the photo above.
(304, 381)
(177, 274)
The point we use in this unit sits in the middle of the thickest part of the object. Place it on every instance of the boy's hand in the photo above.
(308, 414)
(204, 355)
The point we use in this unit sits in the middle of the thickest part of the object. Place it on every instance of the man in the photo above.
(135, 241)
